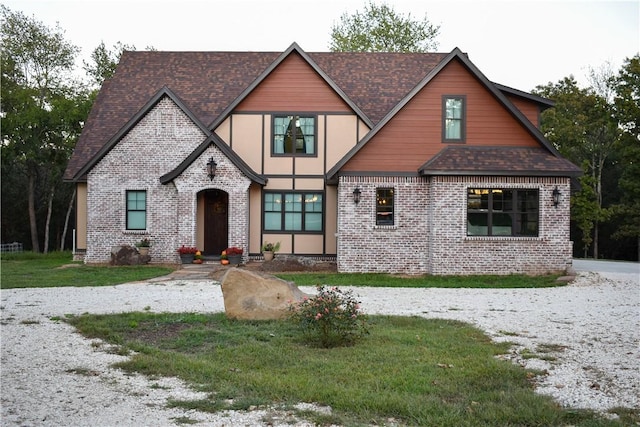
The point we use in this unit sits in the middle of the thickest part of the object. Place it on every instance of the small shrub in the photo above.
(332, 318)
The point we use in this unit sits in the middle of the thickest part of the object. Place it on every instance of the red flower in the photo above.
(233, 250)
(182, 250)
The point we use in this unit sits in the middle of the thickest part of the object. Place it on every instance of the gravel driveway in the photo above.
(51, 376)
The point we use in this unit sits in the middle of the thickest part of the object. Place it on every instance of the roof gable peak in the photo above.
(163, 92)
(455, 54)
(293, 48)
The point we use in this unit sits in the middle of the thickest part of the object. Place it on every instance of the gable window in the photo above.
(453, 118)
(293, 134)
(502, 212)
(384, 206)
(136, 210)
(293, 211)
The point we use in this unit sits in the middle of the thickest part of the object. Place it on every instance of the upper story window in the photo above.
(502, 212)
(293, 211)
(453, 118)
(136, 210)
(294, 134)
(384, 206)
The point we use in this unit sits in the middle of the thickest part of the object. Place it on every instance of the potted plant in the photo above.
(143, 246)
(198, 258)
(269, 249)
(187, 254)
(234, 254)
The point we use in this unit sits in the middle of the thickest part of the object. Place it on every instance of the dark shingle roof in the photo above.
(481, 160)
(207, 82)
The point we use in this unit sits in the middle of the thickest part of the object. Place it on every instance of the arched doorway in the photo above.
(216, 221)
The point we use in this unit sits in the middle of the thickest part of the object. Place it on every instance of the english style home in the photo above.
(389, 162)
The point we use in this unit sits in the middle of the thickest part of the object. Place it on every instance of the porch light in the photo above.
(556, 197)
(211, 168)
(356, 195)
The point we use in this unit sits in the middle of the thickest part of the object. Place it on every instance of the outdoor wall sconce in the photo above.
(556, 197)
(211, 168)
(356, 195)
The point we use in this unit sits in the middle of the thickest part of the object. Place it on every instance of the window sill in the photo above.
(385, 227)
(503, 238)
(136, 232)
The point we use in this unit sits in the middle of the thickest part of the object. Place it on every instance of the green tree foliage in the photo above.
(626, 86)
(597, 127)
(380, 29)
(582, 127)
(104, 62)
(43, 109)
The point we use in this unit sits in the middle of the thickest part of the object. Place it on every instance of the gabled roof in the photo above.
(152, 102)
(209, 84)
(166, 92)
(294, 48)
(482, 160)
(213, 139)
(456, 54)
(544, 103)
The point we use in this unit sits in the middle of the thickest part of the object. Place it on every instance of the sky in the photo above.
(517, 43)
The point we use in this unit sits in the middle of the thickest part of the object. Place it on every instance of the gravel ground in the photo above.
(51, 376)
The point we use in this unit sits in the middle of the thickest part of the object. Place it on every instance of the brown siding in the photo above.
(293, 86)
(528, 108)
(414, 135)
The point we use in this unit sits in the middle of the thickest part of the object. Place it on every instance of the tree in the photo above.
(381, 29)
(42, 109)
(104, 62)
(583, 129)
(626, 86)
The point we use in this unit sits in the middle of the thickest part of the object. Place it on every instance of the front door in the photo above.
(216, 222)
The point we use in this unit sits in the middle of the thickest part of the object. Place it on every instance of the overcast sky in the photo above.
(517, 43)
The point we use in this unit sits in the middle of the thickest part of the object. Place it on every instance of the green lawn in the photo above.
(426, 281)
(33, 270)
(416, 371)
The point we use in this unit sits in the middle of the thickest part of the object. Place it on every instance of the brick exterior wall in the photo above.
(152, 148)
(430, 231)
(365, 247)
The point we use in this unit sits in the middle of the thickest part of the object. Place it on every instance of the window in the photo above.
(297, 211)
(294, 135)
(136, 210)
(453, 119)
(502, 212)
(384, 206)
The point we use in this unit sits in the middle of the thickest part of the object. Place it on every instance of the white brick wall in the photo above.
(430, 230)
(154, 147)
(365, 247)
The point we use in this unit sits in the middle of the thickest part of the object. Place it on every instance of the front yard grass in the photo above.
(407, 371)
(35, 270)
(401, 281)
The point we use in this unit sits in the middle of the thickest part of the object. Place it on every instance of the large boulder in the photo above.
(127, 255)
(251, 296)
